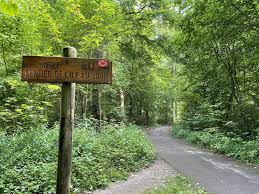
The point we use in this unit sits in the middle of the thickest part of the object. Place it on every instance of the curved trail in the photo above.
(217, 174)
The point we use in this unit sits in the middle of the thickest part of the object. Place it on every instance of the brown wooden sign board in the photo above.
(64, 69)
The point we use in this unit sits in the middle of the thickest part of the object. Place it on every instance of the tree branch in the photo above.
(136, 12)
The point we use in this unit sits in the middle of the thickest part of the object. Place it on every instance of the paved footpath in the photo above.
(217, 174)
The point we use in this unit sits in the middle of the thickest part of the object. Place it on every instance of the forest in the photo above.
(193, 64)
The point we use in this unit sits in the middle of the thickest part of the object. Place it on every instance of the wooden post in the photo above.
(65, 134)
(100, 107)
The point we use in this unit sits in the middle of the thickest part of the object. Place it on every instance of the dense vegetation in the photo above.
(29, 160)
(218, 50)
(200, 55)
(126, 32)
(219, 53)
(191, 61)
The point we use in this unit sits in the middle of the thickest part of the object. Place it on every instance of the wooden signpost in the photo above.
(67, 70)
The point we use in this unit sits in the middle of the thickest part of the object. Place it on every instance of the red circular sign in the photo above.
(103, 63)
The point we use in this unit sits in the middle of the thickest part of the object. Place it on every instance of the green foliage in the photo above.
(202, 116)
(8, 7)
(21, 109)
(180, 185)
(228, 144)
(120, 31)
(214, 45)
(217, 77)
(29, 160)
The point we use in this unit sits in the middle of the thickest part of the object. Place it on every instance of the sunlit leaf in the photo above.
(10, 8)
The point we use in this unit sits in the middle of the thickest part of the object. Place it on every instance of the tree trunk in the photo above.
(96, 106)
(122, 104)
(100, 107)
(174, 111)
(131, 107)
(174, 101)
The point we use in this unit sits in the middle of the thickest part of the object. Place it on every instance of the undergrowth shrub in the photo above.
(24, 106)
(29, 160)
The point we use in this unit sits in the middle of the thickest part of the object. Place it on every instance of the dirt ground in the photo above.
(148, 178)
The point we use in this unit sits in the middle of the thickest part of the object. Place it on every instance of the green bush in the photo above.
(235, 147)
(24, 107)
(29, 160)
